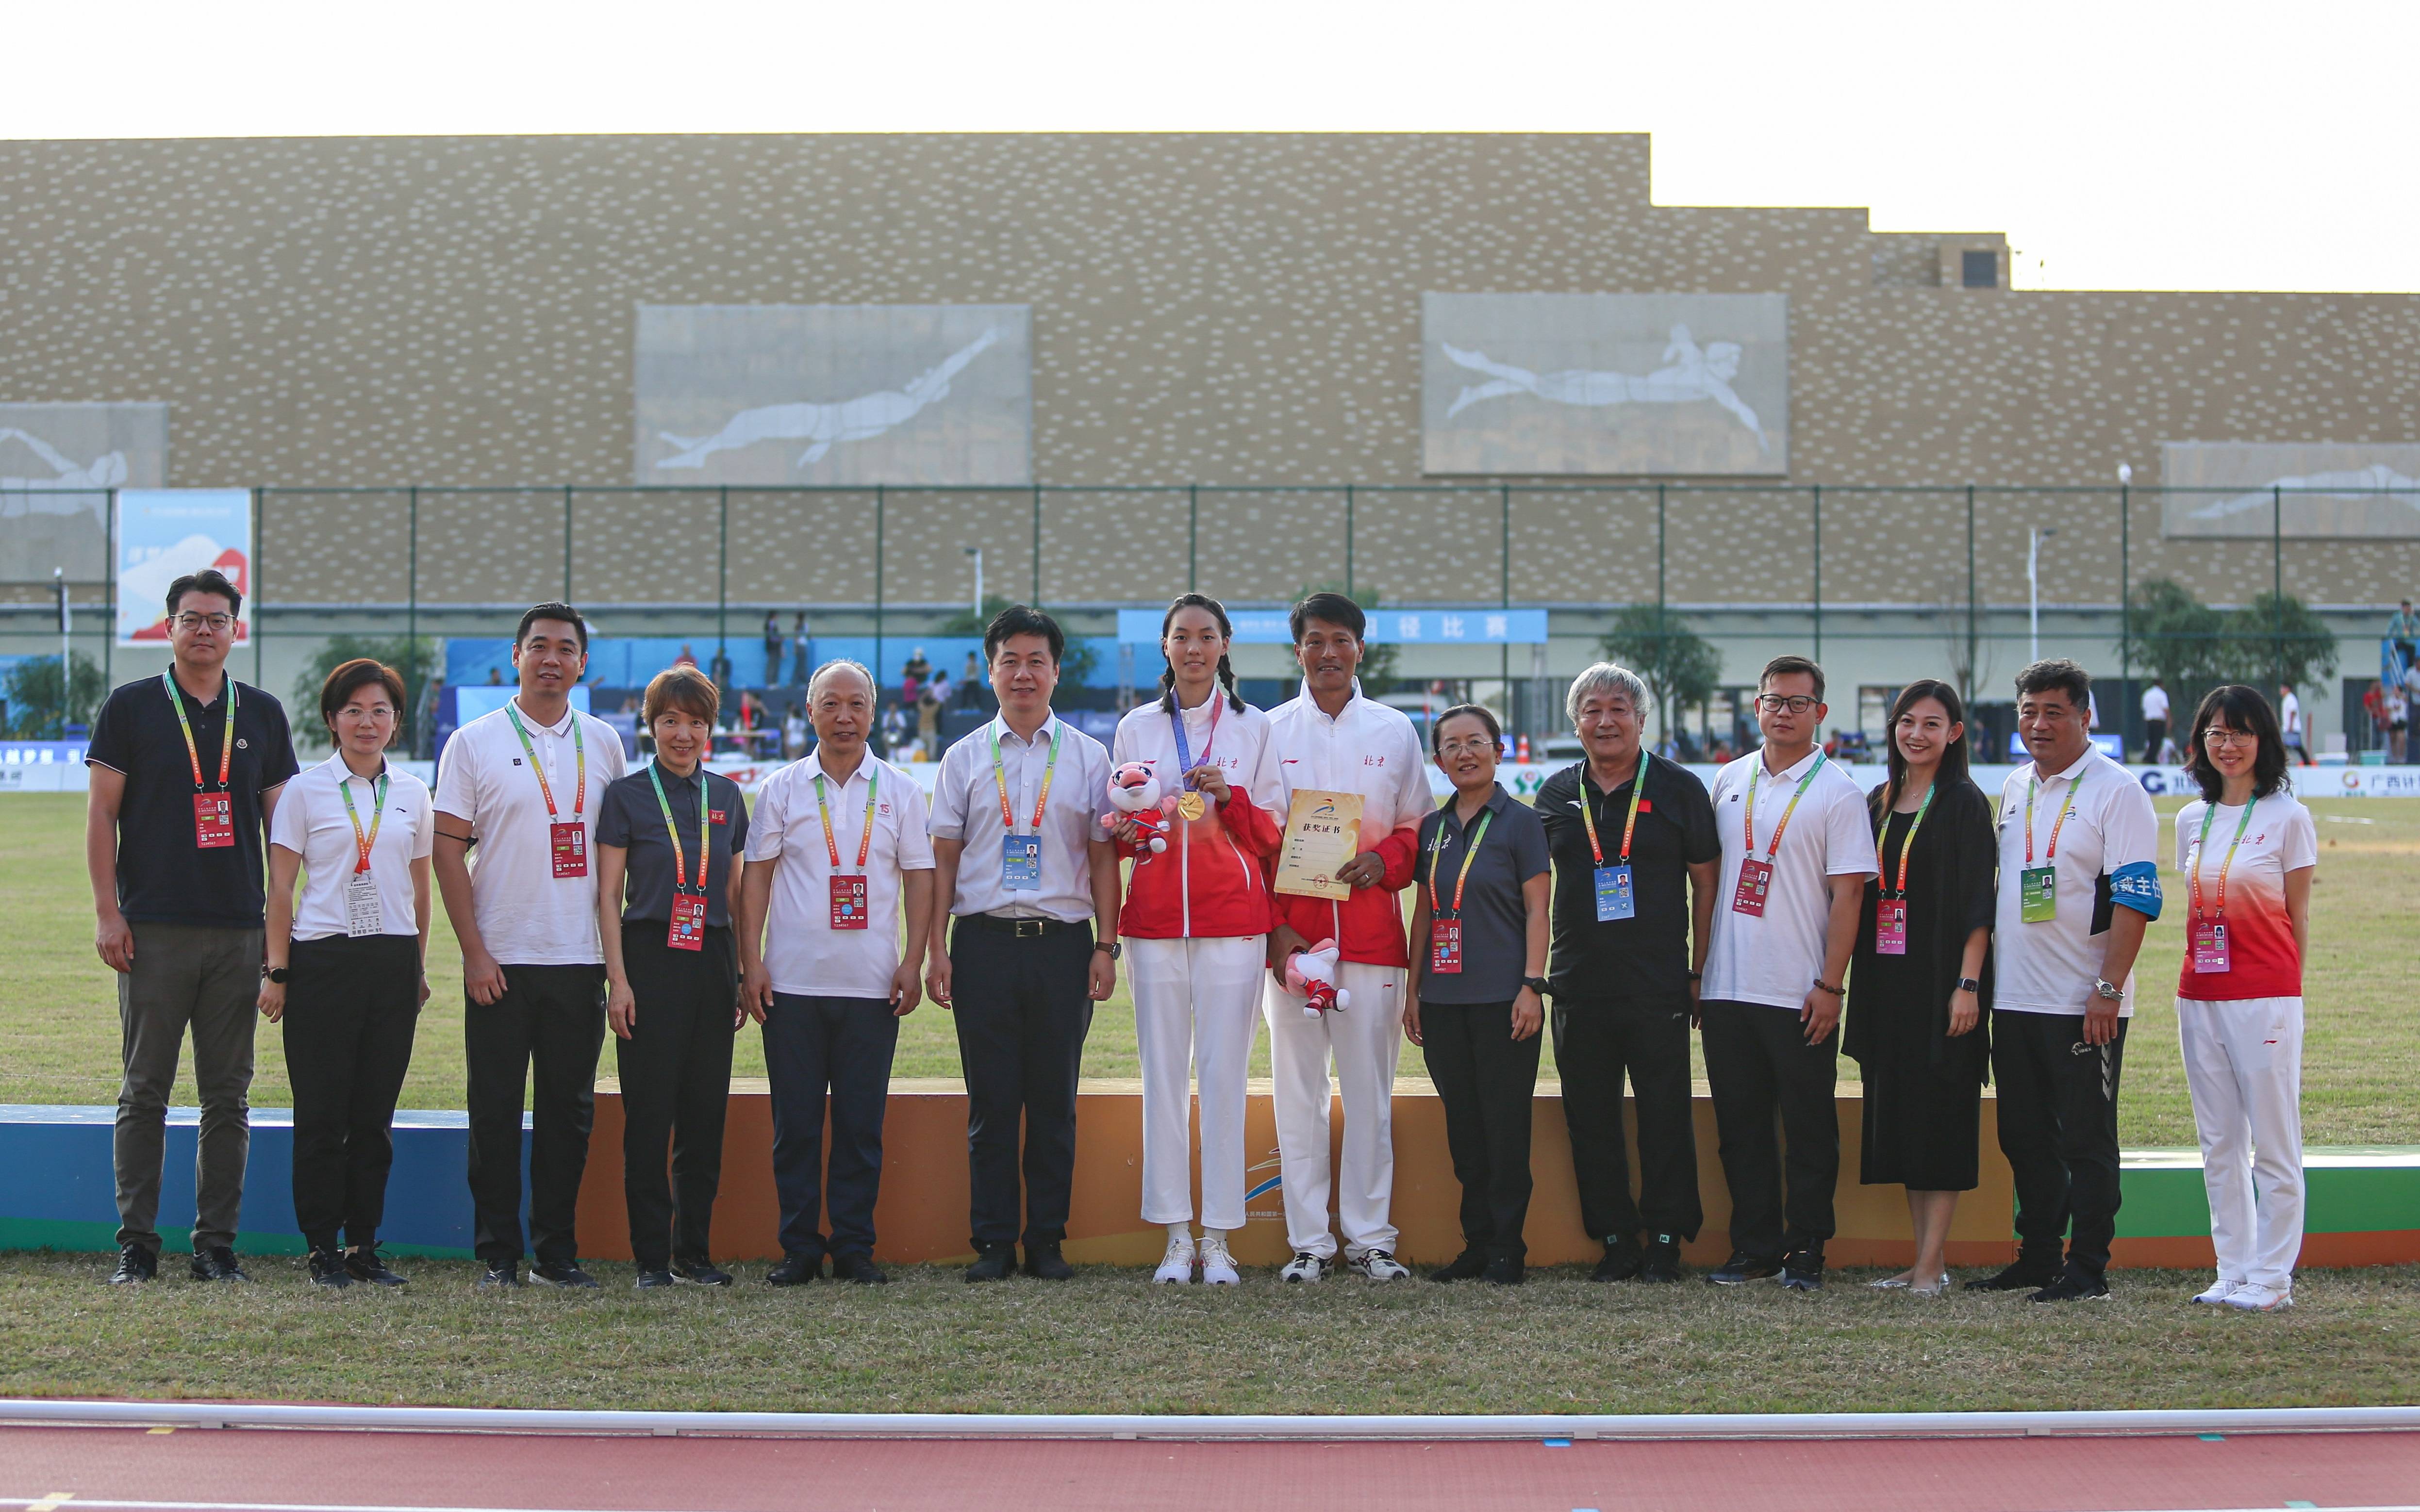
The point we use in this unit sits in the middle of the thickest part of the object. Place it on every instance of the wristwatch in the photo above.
(1115, 948)
(2102, 987)
(275, 974)
(1968, 984)
(1536, 984)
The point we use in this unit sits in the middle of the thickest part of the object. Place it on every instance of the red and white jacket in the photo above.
(1371, 749)
(1208, 884)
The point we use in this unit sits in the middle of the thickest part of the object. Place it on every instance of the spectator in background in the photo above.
(2296, 743)
(2396, 705)
(687, 657)
(2156, 723)
(720, 668)
(773, 648)
(971, 683)
(495, 677)
(802, 653)
(424, 718)
(2411, 702)
(942, 688)
(913, 675)
(895, 734)
(794, 733)
(928, 725)
(2404, 628)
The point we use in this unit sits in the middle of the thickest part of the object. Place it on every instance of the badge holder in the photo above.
(1020, 862)
(362, 914)
(568, 841)
(688, 931)
(848, 903)
(2038, 894)
(1614, 898)
(213, 820)
(1755, 884)
(1445, 946)
(1890, 927)
(2210, 953)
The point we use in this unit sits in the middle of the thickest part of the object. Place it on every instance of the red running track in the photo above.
(59, 1469)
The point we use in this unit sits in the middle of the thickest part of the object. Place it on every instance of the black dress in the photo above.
(1923, 1087)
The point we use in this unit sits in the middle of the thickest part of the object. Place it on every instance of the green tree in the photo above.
(33, 694)
(2177, 638)
(1682, 667)
(411, 661)
(1075, 667)
(1377, 672)
(2278, 638)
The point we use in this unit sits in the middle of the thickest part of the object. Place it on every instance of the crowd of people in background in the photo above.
(1781, 911)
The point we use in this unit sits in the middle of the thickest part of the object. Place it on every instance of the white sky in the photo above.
(2119, 144)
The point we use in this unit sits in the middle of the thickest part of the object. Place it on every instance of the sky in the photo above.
(2119, 145)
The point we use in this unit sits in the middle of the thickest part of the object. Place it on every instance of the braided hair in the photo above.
(1226, 632)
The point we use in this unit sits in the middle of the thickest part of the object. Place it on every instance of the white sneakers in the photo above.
(2252, 1297)
(1218, 1266)
(1378, 1265)
(1305, 1265)
(1176, 1266)
(2219, 1292)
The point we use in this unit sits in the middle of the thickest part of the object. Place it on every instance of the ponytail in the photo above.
(1226, 668)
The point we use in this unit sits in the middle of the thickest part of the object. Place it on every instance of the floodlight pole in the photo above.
(2033, 590)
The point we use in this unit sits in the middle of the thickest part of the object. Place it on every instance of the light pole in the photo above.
(2033, 589)
(67, 668)
(976, 552)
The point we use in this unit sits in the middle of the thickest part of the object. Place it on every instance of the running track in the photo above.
(247, 1470)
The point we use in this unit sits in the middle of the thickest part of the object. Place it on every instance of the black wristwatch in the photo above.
(1968, 984)
(1536, 984)
(1115, 948)
(275, 974)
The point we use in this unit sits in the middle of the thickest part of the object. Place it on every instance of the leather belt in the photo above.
(1023, 928)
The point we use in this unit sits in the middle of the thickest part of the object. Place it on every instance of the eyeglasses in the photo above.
(2217, 738)
(194, 622)
(1466, 748)
(1775, 703)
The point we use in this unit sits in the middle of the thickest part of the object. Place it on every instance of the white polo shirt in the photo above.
(2050, 967)
(312, 822)
(1775, 958)
(803, 954)
(966, 808)
(527, 916)
(1369, 749)
(2155, 703)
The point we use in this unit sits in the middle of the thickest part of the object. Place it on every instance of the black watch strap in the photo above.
(275, 974)
(1968, 984)
(1536, 984)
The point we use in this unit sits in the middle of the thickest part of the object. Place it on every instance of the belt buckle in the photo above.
(1028, 929)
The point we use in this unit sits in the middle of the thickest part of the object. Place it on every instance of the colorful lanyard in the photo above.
(1755, 779)
(1905, 845)
(680, 871)
(1436, 904)
(865, 843)
(362, 844)
(1587, 812)
(226, 737)
(2064, 810)
(999, 778)
(2241, 826)
(580, 750)
(1184, 749)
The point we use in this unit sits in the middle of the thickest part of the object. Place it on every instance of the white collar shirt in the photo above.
(2156, 704)
(1368, 748)
(527, 916)
(804, 954)
(1775, 958)
(966, 808)
(2050, 967)
(313, 822)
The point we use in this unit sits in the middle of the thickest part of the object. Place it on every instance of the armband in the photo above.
(2137, 885)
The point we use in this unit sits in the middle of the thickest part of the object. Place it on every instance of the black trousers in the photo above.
(351, 1008)
(1023, 1006)
(675, 1071)
(2155, 734)
(1758, 1063)
(2058, 1127)
(1487, 1081)
(838, 1048)
(1594, 1045)
(541, 1036)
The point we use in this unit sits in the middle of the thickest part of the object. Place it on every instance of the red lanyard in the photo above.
(546, 789)
(1436, 904)
(865, 842)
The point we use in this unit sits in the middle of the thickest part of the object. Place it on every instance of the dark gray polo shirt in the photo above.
(1495, 920)
(627, 817)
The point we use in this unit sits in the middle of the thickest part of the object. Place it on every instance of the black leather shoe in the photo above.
(328, 1270)
(1467, 1266)
(654, 1280)
(2018, 1277)
(1803, 1269)
(859, 1268)
(565, 1274)
(1622, 1261)
(363, 1265)
(217, 1264)
(996, 1262)
(1504, 1270)
(1743, 1268)
(135, 1265)
(796, 1271)
(700, 1273)
(1663, 1261)
(2074, 1285)
(1044, 1263)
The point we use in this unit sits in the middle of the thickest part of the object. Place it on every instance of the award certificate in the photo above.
(1323, 831)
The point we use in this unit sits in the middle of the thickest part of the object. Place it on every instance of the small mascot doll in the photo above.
(1311, 975)
(1134, 792)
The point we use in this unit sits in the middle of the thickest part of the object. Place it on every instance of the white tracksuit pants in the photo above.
(2243, 1062)
(1363, 1038)
(1193, 1008)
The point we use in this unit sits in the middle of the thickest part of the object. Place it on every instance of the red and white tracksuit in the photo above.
(1196, 922)
(1370, 749)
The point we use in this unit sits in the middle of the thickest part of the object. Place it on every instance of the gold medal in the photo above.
(1189, 806)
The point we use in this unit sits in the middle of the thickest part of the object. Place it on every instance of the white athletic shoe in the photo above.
(1378, 1265)
(1305, 1265)
(2252, 1297)
(1218, 1266)
(2219, 1292)
(1176, 1266)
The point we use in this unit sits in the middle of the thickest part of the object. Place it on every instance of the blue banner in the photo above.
(1393, 627)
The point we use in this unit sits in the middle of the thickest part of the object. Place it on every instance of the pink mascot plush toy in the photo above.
(1134, 792)
(1311, 975)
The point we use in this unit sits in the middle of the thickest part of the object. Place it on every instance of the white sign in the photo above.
(164, 533)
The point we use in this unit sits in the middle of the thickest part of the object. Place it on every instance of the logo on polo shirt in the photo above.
(242, 744)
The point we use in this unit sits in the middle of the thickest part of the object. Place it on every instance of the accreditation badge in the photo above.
(1755, 884)
(362, 914)
(1614, 898)
(2209, 945)
(1445, 946)
(1890, 927)
(213, 820)
(688, 931)
(2038, 894)
(848, 903)
(1020, 862)
(568, 842)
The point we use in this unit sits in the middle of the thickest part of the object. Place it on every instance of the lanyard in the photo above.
(1436, 904)
(1000, 779)
(1755, 780)
(1905, 845)
(1185, 749)
(2057, 825)
(865, 843)
(2241, 826)
(226, 737)
(580, 750)
(1587, 812)
(680, 871)
(362, 844)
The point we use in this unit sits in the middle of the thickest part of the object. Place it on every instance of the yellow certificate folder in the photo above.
(1323, 831)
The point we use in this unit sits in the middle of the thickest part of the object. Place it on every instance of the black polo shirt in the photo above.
(1644, 959)
(627, 817)
(162, 876)
(1494, 919)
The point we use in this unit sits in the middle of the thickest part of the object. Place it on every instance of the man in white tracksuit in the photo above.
(1332, 739)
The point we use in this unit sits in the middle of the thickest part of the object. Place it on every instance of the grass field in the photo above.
(58, 1021)
(1109, 1341)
